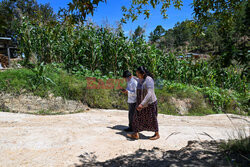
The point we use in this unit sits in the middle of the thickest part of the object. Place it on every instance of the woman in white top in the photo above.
(145, 116)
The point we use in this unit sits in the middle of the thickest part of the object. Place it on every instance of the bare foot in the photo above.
(133, 136)
(155, 137)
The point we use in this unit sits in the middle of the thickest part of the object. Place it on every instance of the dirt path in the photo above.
(29, 140)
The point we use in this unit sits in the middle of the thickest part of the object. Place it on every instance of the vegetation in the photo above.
(110, 53)
(138, 7)
(241, 146)
(237, 149)
(203, 100)
(78, 10)
(12, 12)
(227, 43)
(61, 51)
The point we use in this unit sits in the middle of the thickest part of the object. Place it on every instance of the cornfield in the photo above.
(109, 52)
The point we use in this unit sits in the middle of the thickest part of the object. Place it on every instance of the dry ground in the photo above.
(65, 140)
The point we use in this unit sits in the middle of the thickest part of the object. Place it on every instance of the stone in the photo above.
(33, 104)
(182, 105)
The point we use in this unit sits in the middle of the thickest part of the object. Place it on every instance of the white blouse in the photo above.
(148, 84)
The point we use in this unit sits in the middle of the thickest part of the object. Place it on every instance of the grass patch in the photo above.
(241, 146)
(203, 100)
(46, 112)
(13, 81)
(70, 87)
(5, 110)
(199, 106)
(237, 151)
(106, 99)
(164, 105)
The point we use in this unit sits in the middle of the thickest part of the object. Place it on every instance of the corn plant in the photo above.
(82, 48)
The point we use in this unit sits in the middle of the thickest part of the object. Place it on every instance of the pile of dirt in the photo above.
(33, 104)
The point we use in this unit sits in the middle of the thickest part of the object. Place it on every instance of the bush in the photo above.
(204, 101)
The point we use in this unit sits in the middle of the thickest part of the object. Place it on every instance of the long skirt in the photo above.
(146, 119)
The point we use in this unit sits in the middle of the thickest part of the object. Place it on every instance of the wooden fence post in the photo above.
(8, 51)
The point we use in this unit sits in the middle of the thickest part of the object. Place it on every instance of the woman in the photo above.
(145, 117)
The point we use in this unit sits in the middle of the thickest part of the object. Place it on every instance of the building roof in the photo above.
(5, 38)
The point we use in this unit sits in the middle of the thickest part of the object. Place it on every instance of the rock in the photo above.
(33, 104)
(51, 95)
(59, 99)
(182, 106)
(29, 107)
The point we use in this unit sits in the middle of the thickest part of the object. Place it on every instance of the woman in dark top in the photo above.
(145, 116)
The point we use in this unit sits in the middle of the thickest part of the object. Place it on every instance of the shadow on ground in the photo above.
(120, 129)
(198, 154)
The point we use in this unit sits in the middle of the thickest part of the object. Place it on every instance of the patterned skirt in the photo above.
(146, 119)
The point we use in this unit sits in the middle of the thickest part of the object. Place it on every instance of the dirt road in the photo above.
(30, 140)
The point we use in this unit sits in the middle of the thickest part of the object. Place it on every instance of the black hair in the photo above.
(144, 72)
(126, 74)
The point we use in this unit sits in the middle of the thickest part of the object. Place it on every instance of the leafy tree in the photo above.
(156, 34)
(228, 16)
(13, 11)
(5, 15)
(138, 34)
(220, 9)
(182, 34)
(139, 7)
(45, 14)
(181, 37)
(169, 40)
(78, 10)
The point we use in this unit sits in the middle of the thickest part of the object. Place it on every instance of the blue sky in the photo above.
(111, 11)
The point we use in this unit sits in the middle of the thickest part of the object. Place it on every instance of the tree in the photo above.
(12, 12)
(180, 37)
(156, 34)
(78, 9)
(220, 9)
(5, 15)
(168, 40)
(138, 34)
(46, 14)
(139, 7)
(229, 16)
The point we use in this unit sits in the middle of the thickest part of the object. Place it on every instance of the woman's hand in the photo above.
(139, 108)
(125, 91)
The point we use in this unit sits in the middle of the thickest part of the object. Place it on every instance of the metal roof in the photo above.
(5, 38)
(193, 54)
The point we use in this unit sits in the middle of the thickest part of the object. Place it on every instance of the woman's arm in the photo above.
(150, 91)
(147, 97)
